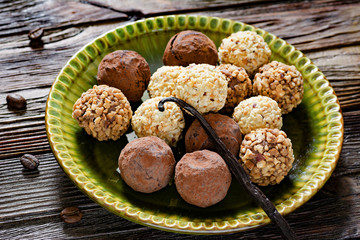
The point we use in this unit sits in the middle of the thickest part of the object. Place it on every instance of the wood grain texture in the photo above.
(30, 202)
(159, 7)
(21, 16)
(29, 210)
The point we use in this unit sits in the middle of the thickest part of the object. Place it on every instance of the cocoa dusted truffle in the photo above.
(202, 178)
(127, 71)
(239, 85)
(226, 128)
(282, 83)
(104, 112)
(267, 156)
(147, 164)
(188, 47)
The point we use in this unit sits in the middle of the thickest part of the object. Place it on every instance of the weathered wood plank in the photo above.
(57, 41)
(40, 72)
(333, 208)
(329, 24)
(158, 7)
(21, 16)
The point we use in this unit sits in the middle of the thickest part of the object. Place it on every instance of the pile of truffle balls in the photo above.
(237, 89)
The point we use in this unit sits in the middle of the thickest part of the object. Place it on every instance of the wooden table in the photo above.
(327, 31)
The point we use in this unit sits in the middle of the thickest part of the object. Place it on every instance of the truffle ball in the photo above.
(127, 71)
(104, 112)
(257, 112)
(163, 81)
(245, 49)
(188, 47)
(202, 178)
(267, 156)
(167, 125)
(282, 83)
(239, 85)
(226, 128)
(203, 87)
(147, 164)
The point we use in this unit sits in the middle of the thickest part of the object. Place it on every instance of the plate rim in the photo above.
(191, 227)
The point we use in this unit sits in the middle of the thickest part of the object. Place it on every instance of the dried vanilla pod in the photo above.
(238, 172)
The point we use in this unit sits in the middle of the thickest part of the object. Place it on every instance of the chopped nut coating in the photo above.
(104, 112)
(267, 156)
(280, 82)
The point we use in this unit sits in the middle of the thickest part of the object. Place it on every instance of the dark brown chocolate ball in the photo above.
(147, 164)
(202, 178)
(188, 47)
(127, 71)
(225, 127)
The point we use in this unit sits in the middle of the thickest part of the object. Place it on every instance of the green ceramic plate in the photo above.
(315, 128)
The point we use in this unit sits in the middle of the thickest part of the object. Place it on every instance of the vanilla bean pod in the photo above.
(237, 170)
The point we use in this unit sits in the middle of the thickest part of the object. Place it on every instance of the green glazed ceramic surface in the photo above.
(315, 128)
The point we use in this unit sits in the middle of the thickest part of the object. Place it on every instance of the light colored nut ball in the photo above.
(104, 112)
(203, 87)
(257, 112)
(245, 49)
(163, 81)
(282, 83)
(267, 156)
(147, 164)
(239, 85)
(167, 125)
(202, 178)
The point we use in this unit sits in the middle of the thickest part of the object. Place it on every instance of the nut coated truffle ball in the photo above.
(167, 125)
(163, 81)
(127, 71)
(257, 112)
(104, 112)
(267, 156)
(147, 164)
(203, 87)
(282, 83)
(202, 178)
(245, 49)
(239, 85)
(188, 47)
(227, 129)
